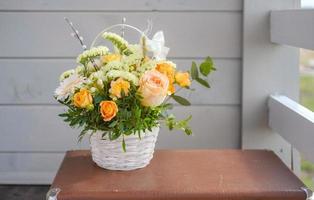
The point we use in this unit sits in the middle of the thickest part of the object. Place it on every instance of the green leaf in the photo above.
(82, 134)
(98, 99)
(63, 115)
(123, 145)
(194, 71)
(188, 131)
(114, 135)
(113, 124)
(139, 134)
(207, 66)
(181, 100)
(203, 82)
(210, 60)
(168, 106)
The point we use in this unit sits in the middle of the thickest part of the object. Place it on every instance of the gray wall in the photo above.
(36, 48)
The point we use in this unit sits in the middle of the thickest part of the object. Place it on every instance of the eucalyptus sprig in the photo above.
(205, 69)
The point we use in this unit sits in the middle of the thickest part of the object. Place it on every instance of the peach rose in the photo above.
(83, 98)
(108, 110)
(169, 71)
(153, 88)
(183, 79)
(117, 86)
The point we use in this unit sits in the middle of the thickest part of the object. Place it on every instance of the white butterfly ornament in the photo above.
(157, 46)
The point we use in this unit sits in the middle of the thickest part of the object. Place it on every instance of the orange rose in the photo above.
(111, 57)
(117, 86)
(83, 98)
(153, 88)
(183, 79)
(108, 110)
(167, 69)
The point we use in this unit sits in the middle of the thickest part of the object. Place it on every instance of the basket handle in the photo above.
(114, 26)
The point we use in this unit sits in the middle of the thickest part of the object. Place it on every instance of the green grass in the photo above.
(307, 167)
(308, 181)
(307, 91)
(307, 100)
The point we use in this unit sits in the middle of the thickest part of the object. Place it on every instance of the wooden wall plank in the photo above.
(120, 5)
(209, 129)
(40, 129)
(35, 128)
(26, 168)
(195, 34)
(28, 81)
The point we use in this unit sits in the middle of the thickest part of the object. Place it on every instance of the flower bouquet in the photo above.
(120, 97)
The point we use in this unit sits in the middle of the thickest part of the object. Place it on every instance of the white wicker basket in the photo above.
(110, 155)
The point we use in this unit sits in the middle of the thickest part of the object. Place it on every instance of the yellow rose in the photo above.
(153, 88)
(111, 57)
(83, 98)
(117, 86)
(183, 79)
(171, 89)
(108, 110)
(169, 71)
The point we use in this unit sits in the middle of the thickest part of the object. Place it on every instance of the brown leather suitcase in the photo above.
(184, 175)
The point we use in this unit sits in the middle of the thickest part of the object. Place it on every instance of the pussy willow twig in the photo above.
(122, 29)
(80, 39)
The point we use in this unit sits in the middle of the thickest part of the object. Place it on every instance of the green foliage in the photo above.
(181, 100)
(194, 71)
(179, 125)
(307, 169)
(307, 91)
(203, 82)
(307, 180)
(207, 66)
(307, 166)
(123, 145)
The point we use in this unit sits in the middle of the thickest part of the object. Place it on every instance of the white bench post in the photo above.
(267, 69)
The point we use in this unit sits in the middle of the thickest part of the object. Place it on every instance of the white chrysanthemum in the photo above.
(68, 85)
(123, 74)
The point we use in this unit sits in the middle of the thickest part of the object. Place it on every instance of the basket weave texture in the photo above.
(110, 155)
